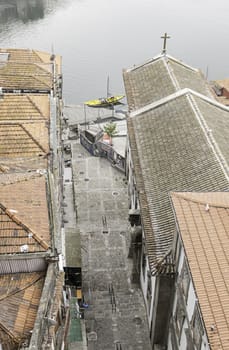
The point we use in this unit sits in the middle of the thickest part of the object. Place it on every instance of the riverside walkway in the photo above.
(115, 318)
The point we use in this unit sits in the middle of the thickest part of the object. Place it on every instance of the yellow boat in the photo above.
(105, 102)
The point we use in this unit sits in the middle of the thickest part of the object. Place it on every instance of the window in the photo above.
(176, 247)
(197, 328)
(185, 279)
(149, 289)
(179, 318)
(143, 262)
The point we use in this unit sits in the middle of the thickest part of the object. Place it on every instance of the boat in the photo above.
(105, 101)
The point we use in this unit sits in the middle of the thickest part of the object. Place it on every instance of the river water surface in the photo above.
(98, 38)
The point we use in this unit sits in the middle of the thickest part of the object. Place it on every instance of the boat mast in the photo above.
(108, 82)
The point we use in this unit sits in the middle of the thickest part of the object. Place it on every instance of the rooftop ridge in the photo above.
(15, 219)
(156, 58)
(35, 106)
(176, 95)
(210, 137)
(171, 74)
(25, 176)
(10, 333)
(185, 196)
(38, 144)
(37, 55)
(35, 76)
(41, 65)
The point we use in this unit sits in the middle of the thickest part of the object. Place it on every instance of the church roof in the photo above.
(203, 222)
(159, 77)
(177, 144)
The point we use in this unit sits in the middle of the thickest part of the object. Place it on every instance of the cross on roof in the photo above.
(165, 37)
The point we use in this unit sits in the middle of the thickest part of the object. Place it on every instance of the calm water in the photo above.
(98, 38)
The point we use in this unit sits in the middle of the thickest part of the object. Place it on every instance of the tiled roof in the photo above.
(32, 56)
(19, 300)
(220, 95)
(14, 108)
(23, 55)
(161, 77)
(24, 130)
(205, 234)
(23, 140)
(173, 147)
(15, 237)
(27, 212)
(223, 83)
(25, 76)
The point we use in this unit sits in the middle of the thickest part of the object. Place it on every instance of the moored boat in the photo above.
(105, 102)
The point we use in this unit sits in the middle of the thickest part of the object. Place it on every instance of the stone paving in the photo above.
(115, 318)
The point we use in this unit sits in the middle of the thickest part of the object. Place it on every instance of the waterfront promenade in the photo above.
(115, 317)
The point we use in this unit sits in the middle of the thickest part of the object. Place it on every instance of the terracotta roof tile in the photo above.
(25, 76)
(23, 55)
(31, 56)
(24, 108)
(23, 140)
(207, 253)
(26, 200)
(19, 300)
(15, 237)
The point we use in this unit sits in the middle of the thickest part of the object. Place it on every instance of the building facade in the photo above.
(31, 272)
(199, 317)
(176, 134)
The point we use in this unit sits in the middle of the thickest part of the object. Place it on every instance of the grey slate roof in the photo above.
(177, 144)
(160, 77)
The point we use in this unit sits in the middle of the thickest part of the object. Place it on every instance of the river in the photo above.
(98, 38)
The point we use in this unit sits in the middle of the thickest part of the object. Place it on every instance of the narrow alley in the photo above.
(114, 313)
(115, 317)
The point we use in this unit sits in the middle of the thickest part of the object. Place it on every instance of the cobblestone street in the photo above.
(115, 317)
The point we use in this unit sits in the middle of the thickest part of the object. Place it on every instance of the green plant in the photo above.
(110, 129)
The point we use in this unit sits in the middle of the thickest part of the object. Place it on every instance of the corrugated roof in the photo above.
(19, 300)
(205, 234)
(160, 77)
(174, 149)
(25, 198)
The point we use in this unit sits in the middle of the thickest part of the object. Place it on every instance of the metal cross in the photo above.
(165, 37)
